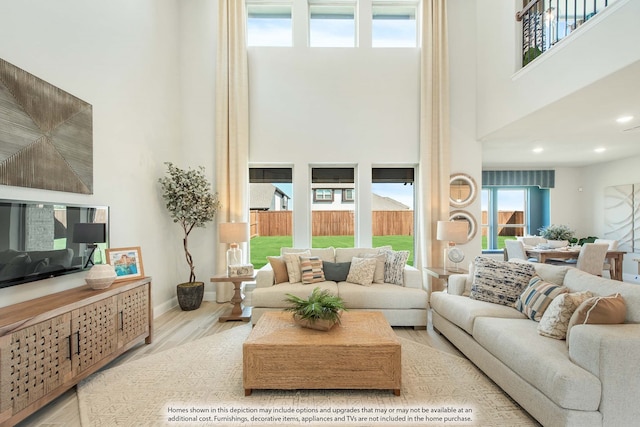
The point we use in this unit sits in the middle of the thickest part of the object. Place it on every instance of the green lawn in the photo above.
(261, 247)
(501, 240)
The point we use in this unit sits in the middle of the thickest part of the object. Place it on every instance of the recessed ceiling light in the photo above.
(600, 150)
(624, 119)
(538, 150)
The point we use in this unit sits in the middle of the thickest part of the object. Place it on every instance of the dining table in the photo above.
(542, 255)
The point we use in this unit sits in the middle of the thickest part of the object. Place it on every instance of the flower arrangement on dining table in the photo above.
(557, 232)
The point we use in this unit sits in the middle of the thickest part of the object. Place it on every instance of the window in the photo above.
(270, 212)
(332, 221)
(332, 24)
(322, 195)
(508, 212)
(392, 205)
(394, 25)
(269, 25)
(348, 195)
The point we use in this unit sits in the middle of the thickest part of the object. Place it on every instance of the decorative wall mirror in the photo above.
(462, 190)
(468, 218)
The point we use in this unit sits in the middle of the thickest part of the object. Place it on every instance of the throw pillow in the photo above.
(336, 271)
(311, 270)
(537, 296)
(394, 266)
(499, 282)
(599, 311)
(555, 320)
(378, 276)
(361, 271)
(279, 267)
(293, 265)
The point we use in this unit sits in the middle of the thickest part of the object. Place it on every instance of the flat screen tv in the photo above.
(39, 240)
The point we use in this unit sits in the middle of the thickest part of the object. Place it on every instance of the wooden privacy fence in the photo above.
(331, 223)
(506, 217)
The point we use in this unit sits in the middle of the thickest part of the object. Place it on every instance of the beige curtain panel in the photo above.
(434, 132)
(232, 125)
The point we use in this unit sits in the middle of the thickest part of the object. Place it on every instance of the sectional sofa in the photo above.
(591, 379)
(403, 304)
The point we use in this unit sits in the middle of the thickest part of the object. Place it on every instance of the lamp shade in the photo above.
(234, 232)
(89, 232)
(452, 231)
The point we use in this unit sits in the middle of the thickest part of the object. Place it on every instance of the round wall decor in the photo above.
(462, 190)
(460, 215)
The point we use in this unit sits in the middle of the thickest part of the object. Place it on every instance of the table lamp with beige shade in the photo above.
(452, 232)
(234, 233)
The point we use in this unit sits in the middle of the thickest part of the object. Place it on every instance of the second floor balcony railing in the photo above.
(545, 22)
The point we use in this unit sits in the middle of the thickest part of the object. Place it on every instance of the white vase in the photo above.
(555, 244)
(101, 276)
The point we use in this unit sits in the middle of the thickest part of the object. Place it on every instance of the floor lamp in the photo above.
(452, 232)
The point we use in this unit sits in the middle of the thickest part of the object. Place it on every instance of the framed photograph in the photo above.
(126, 261)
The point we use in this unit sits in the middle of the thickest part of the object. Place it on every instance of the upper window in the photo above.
(348, 195)
(269, 25)
(332, 24)
(394, 25)
(323, 195)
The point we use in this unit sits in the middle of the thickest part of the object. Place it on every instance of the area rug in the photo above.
(200, 384)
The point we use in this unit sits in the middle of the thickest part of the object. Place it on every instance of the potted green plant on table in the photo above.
(321, 311)
(191, 203)
(557, 236)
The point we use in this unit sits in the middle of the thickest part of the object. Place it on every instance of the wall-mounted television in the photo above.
(37, 239)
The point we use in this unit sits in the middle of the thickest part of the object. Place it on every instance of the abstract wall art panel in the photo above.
(619, 218)
(46, 134)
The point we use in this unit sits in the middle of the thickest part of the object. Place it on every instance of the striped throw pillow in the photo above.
(537, 296)
(311, 270)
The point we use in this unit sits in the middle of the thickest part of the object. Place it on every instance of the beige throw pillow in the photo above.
(279, 268)
(555, 320)
(599, 311)
(378, 275)
(361, 271)
(293, 265)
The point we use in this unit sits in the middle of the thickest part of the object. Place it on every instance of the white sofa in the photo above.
(402, 305)
(593, 382)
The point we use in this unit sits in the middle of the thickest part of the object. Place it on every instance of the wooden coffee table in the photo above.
(361, 353)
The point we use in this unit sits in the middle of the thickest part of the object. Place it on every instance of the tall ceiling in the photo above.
(569, 130)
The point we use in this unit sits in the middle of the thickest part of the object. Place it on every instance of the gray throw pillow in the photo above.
(500, 282)
(336, 271)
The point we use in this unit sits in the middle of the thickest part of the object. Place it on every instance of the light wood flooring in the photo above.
(178, 327)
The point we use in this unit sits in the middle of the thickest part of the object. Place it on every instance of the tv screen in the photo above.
(38, 239)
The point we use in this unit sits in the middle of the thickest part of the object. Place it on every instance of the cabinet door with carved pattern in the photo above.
(93, 333)
(34, 361)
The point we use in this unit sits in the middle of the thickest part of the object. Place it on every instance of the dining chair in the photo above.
(591, 258)
(613, 246)
(515, 250)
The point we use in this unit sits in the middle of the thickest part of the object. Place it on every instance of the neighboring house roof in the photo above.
(380, 203)
(261, 195)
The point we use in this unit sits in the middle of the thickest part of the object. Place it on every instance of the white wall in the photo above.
(583, 58)
(466, 151)
(595, 179)
(121, 57)
(344, 106)
(197, 59)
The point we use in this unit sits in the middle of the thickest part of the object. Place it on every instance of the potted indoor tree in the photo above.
(322, 310)
(191, 203)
